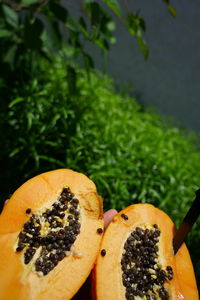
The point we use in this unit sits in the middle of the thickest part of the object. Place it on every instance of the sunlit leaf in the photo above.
(53, 32)
(131, 24)
(16, 101)
(71, 24)
(9, 56)
(172, 10)
(114, 5)
(135, 24)
(143, 47)
(15, 151)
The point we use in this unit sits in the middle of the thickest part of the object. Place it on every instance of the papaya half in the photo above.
(50, 234)
(137, 262)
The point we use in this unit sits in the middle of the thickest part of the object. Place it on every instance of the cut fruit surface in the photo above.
(48, 236)
(136, 259)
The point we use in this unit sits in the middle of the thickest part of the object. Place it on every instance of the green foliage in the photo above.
(134, 155)
(131, 154)
(114, 5)
(137, 148)
(42, 118)
(170, 8)
(31, 28)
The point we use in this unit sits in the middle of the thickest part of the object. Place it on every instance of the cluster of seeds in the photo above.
(142, 274)
(54, 231)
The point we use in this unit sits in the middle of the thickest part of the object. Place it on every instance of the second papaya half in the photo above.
(137, 261)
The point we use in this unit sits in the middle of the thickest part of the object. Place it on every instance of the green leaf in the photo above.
(55, 119)
(10, 15)
(143, 47)
(9, 56)
(131, 24)
(51, 143)
(135, 24)
(15, 151)
(29, 120)
(172, 10)
(29, 1)
(114, 6)
(4, 33)
(16, 101)
(101, 23)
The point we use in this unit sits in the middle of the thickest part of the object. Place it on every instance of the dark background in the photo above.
(169, 80)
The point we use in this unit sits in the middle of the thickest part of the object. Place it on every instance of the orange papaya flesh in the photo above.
(136, 260)
(48, 236)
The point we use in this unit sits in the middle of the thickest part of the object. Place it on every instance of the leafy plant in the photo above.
(132, 155)
(30, 29)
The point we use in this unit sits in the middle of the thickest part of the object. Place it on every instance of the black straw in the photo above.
(187, 223)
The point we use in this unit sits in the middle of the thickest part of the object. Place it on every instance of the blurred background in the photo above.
(108, 88)
(169, 79)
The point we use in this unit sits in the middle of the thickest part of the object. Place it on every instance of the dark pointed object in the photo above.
(187, 223)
